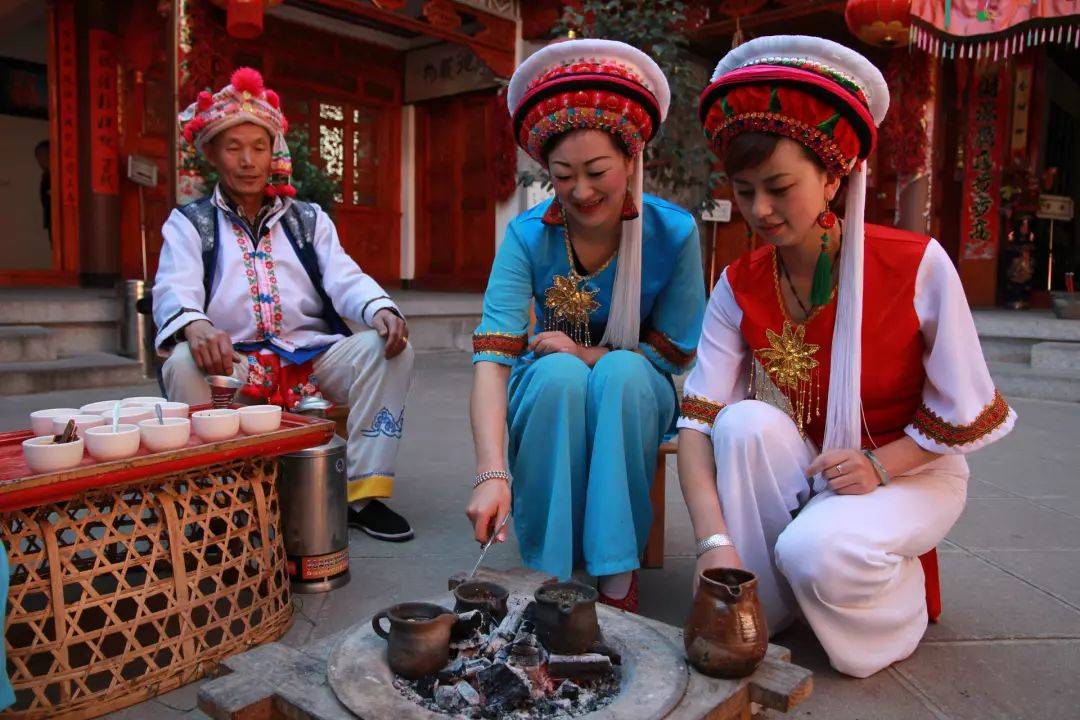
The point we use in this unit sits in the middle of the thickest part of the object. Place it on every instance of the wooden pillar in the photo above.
(99, 236)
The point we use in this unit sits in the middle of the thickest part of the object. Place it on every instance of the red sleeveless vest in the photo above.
(892, 344)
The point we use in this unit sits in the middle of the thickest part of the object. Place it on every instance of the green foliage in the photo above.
(311, 181)
(678, 163)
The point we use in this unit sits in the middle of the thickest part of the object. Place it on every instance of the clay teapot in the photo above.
(725, 635)
(565, 617)
(481, 595)
(418, 642)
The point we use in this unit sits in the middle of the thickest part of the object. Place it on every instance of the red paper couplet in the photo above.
(104, 164)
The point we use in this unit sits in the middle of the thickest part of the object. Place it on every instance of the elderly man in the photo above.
(254, 284)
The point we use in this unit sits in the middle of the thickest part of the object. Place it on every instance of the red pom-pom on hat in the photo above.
(273, 99)
(247, 79)
(270, 190)
(286, 190)
(284, 125)
(204, 101)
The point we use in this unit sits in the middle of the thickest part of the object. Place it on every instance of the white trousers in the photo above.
(849, 563)
(353, 372)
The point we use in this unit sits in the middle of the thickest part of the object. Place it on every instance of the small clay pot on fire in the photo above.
(418, 642)
(565, 617)
(481, 595)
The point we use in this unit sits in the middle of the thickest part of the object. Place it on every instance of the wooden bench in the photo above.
(653, 557)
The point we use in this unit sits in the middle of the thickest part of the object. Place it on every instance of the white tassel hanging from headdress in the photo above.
(843, 418)
(624, 321)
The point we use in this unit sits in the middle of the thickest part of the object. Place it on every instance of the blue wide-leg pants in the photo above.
(583, 446)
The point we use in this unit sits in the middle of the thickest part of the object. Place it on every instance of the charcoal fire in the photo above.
(504, 671)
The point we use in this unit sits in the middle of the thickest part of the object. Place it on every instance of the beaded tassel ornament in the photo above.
(821, 288)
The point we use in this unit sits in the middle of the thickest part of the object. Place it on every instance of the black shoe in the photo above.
(380, 522)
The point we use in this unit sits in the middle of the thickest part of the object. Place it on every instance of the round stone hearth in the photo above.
(654, 674)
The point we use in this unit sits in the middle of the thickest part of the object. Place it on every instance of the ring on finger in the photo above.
(839, 468)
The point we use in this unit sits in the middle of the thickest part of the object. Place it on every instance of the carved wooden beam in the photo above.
(780, 14)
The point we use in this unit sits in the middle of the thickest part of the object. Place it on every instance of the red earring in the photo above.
(554, 214)
(629, 209)
(827, 219)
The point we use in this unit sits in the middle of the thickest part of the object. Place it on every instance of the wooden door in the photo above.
(455, 196)
(356, 142)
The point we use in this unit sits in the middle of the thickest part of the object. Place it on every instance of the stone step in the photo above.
(1007, 349)
(79, 320)
(67, 373)
(1030, 324)
(1022, 380)
(24, 343)
(1056, 356)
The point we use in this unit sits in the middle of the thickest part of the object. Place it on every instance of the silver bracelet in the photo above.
(490, 475)
(882, 473)
(712, 542)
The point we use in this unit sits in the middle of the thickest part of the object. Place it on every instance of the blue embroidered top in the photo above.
(533, 254)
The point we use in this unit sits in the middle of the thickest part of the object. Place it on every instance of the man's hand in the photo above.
(211, 348)
(849, 472)
(724, 557)
(489, 504)
(392, 329)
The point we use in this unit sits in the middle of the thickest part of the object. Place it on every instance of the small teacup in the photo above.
(98, 408)
(41, 420)
(103, 444)
(82, 422)
(43, 455)
(216, 424)
(260, 418)
(171, 435)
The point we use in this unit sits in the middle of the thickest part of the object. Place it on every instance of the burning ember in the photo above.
(501, 669)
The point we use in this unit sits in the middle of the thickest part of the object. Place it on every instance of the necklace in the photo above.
(570, 300)
(787, 276)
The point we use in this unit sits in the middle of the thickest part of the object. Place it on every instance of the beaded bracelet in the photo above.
(491, 474)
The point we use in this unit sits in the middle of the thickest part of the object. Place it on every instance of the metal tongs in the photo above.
(489, 543)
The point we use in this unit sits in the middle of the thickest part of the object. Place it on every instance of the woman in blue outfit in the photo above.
(614, 277)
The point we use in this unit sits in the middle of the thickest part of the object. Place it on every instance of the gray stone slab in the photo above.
(1014, 524)
(981, 489)
(1029, 680)
(1056, 355)
(1041, 324)
(183, 699)
(1056, 571)
(839, 697)
(980, 601)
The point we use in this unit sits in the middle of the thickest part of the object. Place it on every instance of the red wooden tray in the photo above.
(20, 488)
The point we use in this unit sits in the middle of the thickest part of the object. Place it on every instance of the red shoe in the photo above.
(628, 603)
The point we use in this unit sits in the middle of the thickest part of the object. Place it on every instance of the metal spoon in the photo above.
(157, 411)
(488, 544)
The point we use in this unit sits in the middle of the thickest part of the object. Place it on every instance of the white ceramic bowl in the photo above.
(171, 409)
(98, 408)
(44, 456)
(143, 400)
(130, 415)
(103, 444)
(81, 422)
(260, 418)
(41, 420)
(170, 436)
(216, 424)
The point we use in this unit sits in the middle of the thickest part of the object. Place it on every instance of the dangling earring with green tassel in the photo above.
(821, 289)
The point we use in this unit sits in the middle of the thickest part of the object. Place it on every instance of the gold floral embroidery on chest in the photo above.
(790, 364)
(570, 301)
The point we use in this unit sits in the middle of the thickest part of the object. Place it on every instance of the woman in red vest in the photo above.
(860, 332)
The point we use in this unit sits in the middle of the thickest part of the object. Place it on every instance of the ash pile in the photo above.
(502, 670)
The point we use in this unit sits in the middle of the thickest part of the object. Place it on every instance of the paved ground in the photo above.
(1007, 647)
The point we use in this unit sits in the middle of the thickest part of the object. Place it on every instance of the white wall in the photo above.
(24, 244)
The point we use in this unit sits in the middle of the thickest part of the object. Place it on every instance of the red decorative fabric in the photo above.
(667, 349)
(277, 384)
(892, 369)
(933, 584)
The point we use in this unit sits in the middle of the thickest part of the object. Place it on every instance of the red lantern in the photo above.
(884, 23)
(244, 18)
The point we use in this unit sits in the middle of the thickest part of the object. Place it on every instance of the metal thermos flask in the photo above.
(314, 508)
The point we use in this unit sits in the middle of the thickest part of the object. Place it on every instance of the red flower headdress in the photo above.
(244, 100)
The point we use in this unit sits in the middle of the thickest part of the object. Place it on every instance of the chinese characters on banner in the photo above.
(68, 102)
(104, 165)
(984, 151)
